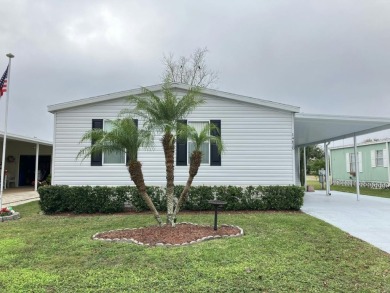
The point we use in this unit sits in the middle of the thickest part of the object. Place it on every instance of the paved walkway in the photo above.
(16, 196)
(367, 219)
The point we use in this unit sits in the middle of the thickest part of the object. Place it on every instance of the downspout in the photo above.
(356, 167)
(293, 150)
(53, 151)
(327, 169)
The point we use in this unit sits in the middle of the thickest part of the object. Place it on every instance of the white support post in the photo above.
(356, 167)
(36, 166)
(304, 167)
(327, 168)
(299, 165)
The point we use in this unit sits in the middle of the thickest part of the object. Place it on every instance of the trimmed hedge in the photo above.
(87, 199)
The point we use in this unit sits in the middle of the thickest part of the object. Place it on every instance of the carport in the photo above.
(24, 158)
(312, 129)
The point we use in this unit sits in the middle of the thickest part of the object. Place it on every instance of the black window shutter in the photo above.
(96, 158)
(215, 157)
(127, 155)
(181, 149)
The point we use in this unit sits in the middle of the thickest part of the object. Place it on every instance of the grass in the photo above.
(280, 252)
(351, 189)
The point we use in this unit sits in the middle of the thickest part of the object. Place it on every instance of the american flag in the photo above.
(3, 82)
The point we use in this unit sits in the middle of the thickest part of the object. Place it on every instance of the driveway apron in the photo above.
(367, 218)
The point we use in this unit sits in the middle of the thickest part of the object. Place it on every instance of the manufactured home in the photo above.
(373, 166)
(261, 139)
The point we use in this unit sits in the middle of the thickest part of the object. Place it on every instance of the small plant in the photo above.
(5, 212)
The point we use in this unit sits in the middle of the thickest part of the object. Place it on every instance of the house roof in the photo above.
(314, 128)
(179, 86)
(11, 136)
(361, 144)
(309, 128)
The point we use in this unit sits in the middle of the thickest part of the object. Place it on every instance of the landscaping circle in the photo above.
(183, 234)
(13, 216)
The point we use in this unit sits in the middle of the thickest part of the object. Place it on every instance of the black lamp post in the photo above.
(217, 204)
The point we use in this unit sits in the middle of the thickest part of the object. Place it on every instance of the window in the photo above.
(117, 157)
(209, 150)
(379, 158)
(352, 162)
(205, 148)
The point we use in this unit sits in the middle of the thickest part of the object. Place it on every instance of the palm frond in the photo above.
(124, 135)
(199, 138)
(161, 113)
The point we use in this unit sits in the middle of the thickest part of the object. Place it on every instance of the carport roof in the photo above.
(11, 136)
(314, 128)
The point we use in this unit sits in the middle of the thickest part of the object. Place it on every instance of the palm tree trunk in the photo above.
(135, 170)
(196, 159)
(168, 142)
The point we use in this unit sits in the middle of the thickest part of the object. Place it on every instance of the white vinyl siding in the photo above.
(205, 148)
(258, 147)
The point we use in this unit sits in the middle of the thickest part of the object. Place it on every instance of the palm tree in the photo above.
(124, 135)
(161, 115)
(198, 139)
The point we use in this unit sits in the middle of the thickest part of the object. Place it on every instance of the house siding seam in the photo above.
(257, 141)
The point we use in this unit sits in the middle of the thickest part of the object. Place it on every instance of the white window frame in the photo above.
(103, 153)
(377, 158)
(189, 141)
(352, 165)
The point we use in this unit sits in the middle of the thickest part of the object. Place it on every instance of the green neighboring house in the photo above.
(374, 171)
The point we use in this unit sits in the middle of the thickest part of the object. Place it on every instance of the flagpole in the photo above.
(10, 56)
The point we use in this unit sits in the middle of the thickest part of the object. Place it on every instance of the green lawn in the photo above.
(363, 190)
(280, 252)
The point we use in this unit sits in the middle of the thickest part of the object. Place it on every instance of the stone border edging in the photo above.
(15, 216)
(131, 240)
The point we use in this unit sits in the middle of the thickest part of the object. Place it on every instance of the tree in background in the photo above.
(190, 70)
(315, 160)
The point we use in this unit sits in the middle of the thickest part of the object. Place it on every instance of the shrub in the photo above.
(103, 199)
(82, 199)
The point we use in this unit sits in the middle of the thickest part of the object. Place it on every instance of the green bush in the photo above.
(103, 199)
(82, 199)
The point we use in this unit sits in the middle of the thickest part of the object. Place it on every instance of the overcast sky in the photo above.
(327, 57)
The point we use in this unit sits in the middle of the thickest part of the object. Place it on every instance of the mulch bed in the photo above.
(183, 233)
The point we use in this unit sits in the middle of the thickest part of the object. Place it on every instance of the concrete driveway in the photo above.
(367, 219)
(16, 196)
